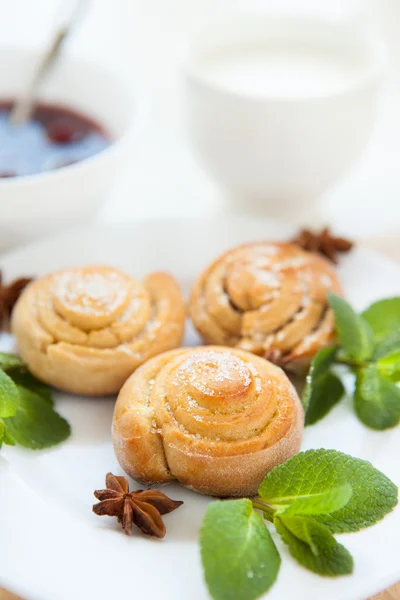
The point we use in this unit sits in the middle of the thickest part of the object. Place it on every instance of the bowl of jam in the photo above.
(58, 168)
(54, 137)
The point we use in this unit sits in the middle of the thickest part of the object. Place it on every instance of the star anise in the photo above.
(324, 243)
(142, 508)
(9, 294)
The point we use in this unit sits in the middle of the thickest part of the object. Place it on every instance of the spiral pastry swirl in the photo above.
(215, 418)
(269, 299)
(85, 330)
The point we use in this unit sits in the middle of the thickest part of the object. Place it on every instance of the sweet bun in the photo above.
(85, 330)
(216, 419)
(269, 299)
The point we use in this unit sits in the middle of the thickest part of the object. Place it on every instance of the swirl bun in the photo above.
(217, 419)
(269, 299)
(85, 330)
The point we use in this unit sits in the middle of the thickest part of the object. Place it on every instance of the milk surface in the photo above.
(284, 71)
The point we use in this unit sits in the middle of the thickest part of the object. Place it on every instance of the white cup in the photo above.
(277, 142)
(34, 205)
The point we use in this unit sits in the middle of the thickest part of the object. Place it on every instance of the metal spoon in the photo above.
(23, 105)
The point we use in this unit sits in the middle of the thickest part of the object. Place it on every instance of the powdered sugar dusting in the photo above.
(291, 263)
(95, 293)
(204, 369)
(326, 280)
(268, 278)
(256, 378)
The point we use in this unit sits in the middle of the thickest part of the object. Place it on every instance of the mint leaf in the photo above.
(385, 347)
(313, 471)
(320, 365)
(19, 373)
(323, 389)
(239, 557)
(376, 400)
(312, 503)
(8, 439)
(355, 335)
(35, 424)
(313, 546)
(25, 379)
(323, 361)
(389, 366)
(5, 437)
(9, 361)
(383, 318)
(9, 396)
(307, 530)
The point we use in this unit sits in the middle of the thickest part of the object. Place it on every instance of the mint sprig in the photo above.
(369, 347)
(309, 498)
(313, 472)
(27, 416)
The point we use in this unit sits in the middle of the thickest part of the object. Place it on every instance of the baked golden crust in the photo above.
(215, 418)
(85, 330)
(269, 299)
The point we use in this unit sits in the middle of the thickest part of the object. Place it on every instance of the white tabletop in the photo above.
(146, 39)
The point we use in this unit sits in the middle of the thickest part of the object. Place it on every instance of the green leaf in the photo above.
(313, 546)
(323, 361)
(5, 437)
(19, 373)
(306, 529)
(373, 494)
(8, 439)
(320, 365)
(355, 335)
(389, 366)
(383, 318)
(312, 503)
(10, 361)
(325, 392)
(376, 400)
(25, 379)
(36, 425)
(239, 557)
(323, 389)
(9, 396)
(385, 347)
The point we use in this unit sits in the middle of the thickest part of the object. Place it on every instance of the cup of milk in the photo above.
(279, 109)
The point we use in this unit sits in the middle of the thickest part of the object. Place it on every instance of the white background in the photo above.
(147, 39)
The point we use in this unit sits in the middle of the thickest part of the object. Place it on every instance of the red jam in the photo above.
(54, 137)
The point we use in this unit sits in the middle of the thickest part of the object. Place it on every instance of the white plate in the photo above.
(51, 545)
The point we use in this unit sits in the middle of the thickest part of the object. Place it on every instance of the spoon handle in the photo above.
(23, 106)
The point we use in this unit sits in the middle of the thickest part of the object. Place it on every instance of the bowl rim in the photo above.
(137, 119)
(373, 74)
